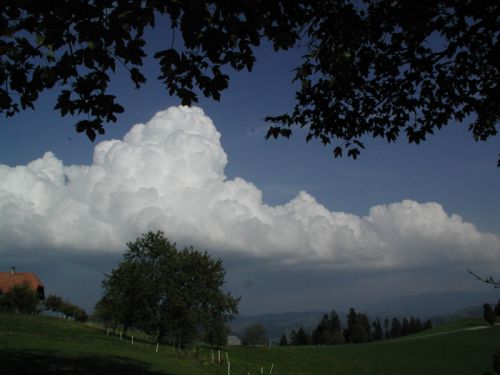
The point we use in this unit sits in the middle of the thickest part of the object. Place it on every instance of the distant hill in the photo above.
(466, 312)
(439, 307)
(432, 304)
(277, 324)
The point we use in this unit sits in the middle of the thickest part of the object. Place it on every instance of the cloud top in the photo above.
(168, 174)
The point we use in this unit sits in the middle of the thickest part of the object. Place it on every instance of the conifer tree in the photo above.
(405, 327)
(489, 314)
(283, 340)
(356, 331)
(396, 329)
(427, 324)
(377, 330)
(387, 331)
(336, 329)
(301, 337)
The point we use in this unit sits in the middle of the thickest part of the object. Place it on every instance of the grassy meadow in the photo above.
(36, 345)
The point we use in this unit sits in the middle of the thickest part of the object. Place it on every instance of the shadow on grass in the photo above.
(38, 362)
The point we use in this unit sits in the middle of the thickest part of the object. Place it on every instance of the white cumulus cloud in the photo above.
(168, 174)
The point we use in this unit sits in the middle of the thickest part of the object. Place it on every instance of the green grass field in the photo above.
(38, 345)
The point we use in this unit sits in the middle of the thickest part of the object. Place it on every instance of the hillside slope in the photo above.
(42, 345)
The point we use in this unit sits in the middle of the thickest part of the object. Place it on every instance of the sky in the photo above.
(296, 228)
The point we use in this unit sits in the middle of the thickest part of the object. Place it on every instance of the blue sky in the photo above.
(449, 169)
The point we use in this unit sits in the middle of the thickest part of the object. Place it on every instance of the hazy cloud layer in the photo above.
(169, 174)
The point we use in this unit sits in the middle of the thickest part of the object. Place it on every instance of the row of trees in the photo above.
(175, 295)
(359, 329)
(23, 299)
(56, 303)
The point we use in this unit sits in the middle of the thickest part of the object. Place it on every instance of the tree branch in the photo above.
(486, 280)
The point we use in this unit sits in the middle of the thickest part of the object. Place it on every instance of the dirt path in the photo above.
(447, 332)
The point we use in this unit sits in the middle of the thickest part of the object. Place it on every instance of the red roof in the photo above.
(9, 280)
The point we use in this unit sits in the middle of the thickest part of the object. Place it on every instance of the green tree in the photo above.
(497, 308)
(106, 312)
(489, 314)
(174, 294)
(74, 311)
(254, 335)
(53, 302)
(127, 298)
(21, 298)
(376, 68)
(216, 333)
(56, 303)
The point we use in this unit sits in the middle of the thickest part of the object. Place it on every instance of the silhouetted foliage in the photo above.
(76, 46)
(487, 280)
(382, 68)
(372, 68)
(497, 308)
